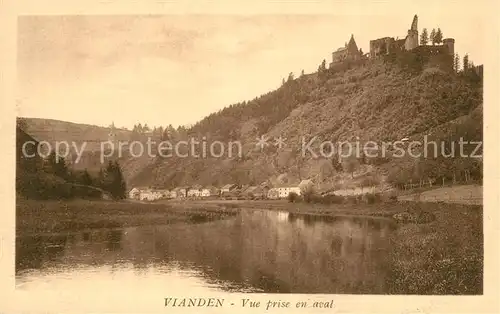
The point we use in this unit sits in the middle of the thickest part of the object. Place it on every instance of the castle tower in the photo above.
(351, 46)
(450, 43)
(414, 24)
(411, 41)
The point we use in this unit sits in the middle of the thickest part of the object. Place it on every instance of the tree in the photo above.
(293, 197)
(302, 73)
(466, 63)
(456, 63)
(336, 164)
(438, 38)
(350, 166)
(361, 157)
(113, 181)
(290, 76)
(424, 37)
(432, 37)
(283, 81)
(86, 178)
(56, 165)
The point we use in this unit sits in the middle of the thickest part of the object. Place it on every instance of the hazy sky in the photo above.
(177, 69)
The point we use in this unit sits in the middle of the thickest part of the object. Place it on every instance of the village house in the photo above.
(146, 194)
(194, 191)
(164, 193)
(134, 193)
(205, 192)
(214, 191)
(273, 194)
(306, 185)
(149, 195)
(255, 192)
(283, 190)
(228, 188)
(172, 194)
(180, 192)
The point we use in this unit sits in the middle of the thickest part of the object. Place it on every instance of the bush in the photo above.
(372, 198)
(351, 199)
(293, 197)
(332, 199)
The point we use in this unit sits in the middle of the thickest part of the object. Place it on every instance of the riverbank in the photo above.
(443, 256)
(34, 216)
(462, 194)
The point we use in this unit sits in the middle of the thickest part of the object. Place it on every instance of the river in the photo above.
(255, 251)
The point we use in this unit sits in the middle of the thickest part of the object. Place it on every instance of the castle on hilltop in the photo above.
(349, 52)
(387, 45)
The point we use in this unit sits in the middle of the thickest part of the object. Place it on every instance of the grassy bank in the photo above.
(441, 257)
(382, 209)
(59, 216)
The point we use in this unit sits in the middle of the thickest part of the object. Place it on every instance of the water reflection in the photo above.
(254, 251)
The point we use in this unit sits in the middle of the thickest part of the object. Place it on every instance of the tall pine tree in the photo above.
(438, 38)
(466, 63)
(113, 180)
(433, 36)
(456, 63)
(424, 37)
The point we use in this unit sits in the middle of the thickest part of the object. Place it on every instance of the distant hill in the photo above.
(55, 130)
(51, 130)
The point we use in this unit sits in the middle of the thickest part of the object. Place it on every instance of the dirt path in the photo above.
(462, 194)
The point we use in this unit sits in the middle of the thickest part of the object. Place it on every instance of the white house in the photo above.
(150, 194)
(228, 188)
(306, 185)
(146, 195)
(193, 193)
(273, 193)
(134, 193)
(284, 191)
(180, 192)
(205, 192)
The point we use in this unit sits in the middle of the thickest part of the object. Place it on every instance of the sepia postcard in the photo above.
(249, 157)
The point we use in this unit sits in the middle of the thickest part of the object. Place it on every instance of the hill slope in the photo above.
(86, 137)
(380, 100)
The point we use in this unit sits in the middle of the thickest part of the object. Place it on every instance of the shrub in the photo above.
(293, 197)
(332, 199)
(351, 199)
(372, 198)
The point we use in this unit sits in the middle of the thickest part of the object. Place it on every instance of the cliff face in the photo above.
(371, 101)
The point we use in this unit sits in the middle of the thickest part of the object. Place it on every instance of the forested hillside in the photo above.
(50, 178)
(381, 100)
